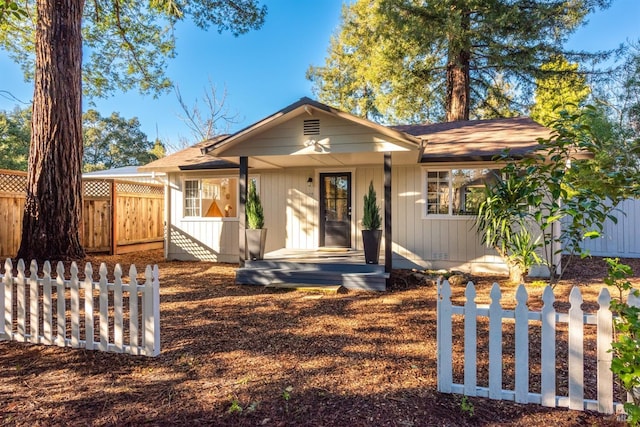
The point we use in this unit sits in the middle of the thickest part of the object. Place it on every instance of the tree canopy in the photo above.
(111, 142)
(415, 61)
(127, 45)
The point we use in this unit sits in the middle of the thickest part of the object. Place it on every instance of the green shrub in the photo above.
(371, 219)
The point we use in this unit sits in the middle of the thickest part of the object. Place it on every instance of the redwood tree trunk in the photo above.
(458, 84)
(53, 207)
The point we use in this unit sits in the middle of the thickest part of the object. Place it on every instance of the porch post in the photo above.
(242, 192)
(388, 239)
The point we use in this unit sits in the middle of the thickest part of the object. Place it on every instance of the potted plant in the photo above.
(256, 234)
(371, 232)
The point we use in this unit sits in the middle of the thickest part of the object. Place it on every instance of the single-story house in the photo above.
(312, 165)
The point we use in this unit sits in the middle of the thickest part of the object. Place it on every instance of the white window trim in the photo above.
(449, 168)
(199, 179)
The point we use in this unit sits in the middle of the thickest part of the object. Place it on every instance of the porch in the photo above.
(320, 269)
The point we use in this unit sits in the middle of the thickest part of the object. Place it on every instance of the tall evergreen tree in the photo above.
(128, 44)
(443, 56)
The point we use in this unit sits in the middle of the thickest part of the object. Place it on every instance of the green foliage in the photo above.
(10, 10)
(111, 142)
(255, 215)
(235, 406)
(371, 219)
(523, 250)
(15, 133)
(559, 87)
(394, 60)
(626, 350)
(547, 187)
(127, 45)
(467, 407)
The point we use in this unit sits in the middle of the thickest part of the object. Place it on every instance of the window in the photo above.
(456, 191)
(211, 197)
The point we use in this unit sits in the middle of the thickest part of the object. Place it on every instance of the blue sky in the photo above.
(264, 70)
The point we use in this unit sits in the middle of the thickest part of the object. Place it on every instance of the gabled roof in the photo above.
(190, 158)
(121, 172)
(308, 105)
(477, 140)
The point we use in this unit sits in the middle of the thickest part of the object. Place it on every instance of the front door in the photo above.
(335, 209)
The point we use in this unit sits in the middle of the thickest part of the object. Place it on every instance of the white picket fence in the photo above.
(547, 319)
(112, 317)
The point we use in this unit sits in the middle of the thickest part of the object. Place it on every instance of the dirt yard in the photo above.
(247, 356)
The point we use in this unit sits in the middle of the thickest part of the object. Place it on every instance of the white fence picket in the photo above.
(34, 302)
(576, 354)
(495, 343)
(74, 291)
(61, 324)
(7, 300)
(34, 321)
(522, 346)
(470, 346)
(133, 308)
(47, 307)
(548, 349)
(604, 338)
(87, 287)
(21, 300)
(104, 309)
(118, 322)
(445, 350)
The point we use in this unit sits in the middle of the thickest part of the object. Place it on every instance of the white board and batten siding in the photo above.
(621, 239)
(204, 239)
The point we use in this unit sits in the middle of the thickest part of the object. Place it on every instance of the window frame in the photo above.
(449, 169)
(201, 190)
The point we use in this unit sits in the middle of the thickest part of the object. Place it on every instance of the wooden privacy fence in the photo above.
(117, 216)
(112, 317)
(547, 320)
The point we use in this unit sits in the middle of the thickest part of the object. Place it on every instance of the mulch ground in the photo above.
(247, 356)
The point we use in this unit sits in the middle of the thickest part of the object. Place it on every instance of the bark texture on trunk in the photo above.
(458, 87)
(458, 84)
(52, 216)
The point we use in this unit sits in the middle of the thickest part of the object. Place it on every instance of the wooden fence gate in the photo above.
(117, 216)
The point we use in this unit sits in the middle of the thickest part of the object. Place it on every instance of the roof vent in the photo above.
(312, 127)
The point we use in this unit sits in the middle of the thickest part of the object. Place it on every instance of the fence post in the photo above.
(88, 307)
(495, 343)
(470, 341)
(605, 337)
(522, 346)
(34, 300)
(548, 349)
(6, 299)
(445, 373)
(576, 351)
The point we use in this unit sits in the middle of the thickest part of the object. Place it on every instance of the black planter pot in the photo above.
(371, 240)
(256, 240)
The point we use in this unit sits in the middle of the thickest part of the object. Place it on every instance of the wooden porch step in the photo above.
(306, 287)
(307, 277)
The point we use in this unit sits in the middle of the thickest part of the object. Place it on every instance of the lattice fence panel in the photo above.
(139, 188)
(13, 182)
(96, 188)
